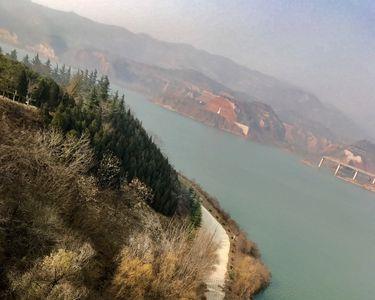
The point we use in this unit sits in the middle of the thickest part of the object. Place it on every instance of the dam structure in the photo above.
(339, 166)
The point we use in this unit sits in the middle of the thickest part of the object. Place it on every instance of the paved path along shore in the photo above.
(216, 280)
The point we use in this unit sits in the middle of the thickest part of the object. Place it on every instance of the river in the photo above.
(315, 232)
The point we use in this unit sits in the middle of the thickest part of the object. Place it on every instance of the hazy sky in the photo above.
(324, 45)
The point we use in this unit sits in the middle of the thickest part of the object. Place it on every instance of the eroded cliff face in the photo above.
(92, 59)
(252, 120)
(366, 150)
(307, 142)
(8, 37)
(360, 154)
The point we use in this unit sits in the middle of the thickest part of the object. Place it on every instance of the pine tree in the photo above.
(68, 75)
(116, 97)
(195, 209)
(23, 84)
(104, 88)
(13, 54)
(36, 61)
(55, 73)
(40, 93)
(93, 99)
(62, 74)
(93, 77)
(86, 75)
(26, 60)
(48, 66)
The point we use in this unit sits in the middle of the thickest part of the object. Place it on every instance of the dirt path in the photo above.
(233, 252)
(216, 281)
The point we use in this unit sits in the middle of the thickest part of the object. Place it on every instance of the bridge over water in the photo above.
(356, 171)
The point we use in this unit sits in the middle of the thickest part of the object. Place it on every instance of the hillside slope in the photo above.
(62, 236)
(63, 36)
(89, 207)
(78, 204)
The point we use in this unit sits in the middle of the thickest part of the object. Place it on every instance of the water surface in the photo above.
(315, 232)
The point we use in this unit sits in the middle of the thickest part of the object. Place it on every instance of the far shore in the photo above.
(368, 187)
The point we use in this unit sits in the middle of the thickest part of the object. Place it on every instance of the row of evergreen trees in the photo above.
(81, 103)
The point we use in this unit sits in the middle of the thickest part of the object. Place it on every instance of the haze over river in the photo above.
(315, 232)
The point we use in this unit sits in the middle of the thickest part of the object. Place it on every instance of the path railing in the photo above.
(15, 96)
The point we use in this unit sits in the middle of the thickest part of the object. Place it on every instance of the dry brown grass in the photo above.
(56, 276)
(173, 267)
(39, 187)
(250, 277)
(41, 162)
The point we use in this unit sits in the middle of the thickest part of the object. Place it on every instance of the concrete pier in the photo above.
(321, 162)
(337, 169)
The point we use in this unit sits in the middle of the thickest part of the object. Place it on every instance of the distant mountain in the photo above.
(71, 38)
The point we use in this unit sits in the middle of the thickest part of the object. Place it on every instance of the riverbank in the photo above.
(287, 147)
(246, 274)
(290, 210)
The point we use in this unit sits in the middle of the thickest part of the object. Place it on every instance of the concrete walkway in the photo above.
(216, 280)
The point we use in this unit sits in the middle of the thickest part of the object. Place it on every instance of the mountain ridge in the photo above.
(64, 34)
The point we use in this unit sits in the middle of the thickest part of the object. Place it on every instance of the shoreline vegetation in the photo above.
(247, 275)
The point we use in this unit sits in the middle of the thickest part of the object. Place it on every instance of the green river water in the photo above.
(315, 232)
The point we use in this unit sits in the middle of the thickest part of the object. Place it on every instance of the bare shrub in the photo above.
(109, 170)
(39, 191)
(171, 268)
(141, 190)
(56, 276)
(45, 164)
(132, 276)
(246, 246)
(75, 154)
(250, 277)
